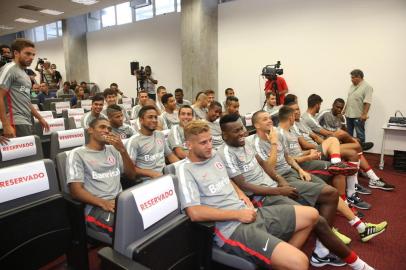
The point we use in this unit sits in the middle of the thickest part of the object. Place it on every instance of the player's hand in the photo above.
(314, 154)
(108, 206)
(9, 131)
(305, 176)
(247, 215)
(273, 136)
(247, 201)
(115, 141)
(363, 117)
(155, 174)
(44, 124)
(4, 140)
(288, 191)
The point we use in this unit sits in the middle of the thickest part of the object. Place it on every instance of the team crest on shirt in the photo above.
(111, 160)
(219, 165)
(159, 141)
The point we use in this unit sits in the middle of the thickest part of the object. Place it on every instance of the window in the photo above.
(51, 30)
(39, 33)
(143, 13)
(124, 13)
(93, 21)
(59, 23)
(164, 6)
(108, 16)
(29, 34)
(178, 6)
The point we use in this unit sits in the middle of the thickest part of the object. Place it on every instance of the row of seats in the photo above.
(132, 244)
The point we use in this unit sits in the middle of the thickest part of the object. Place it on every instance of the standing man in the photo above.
(149, 83)
(15, 86)
(358, 103)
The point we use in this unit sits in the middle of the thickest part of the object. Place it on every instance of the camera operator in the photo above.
(57, 76)
(47, 73)
(16, 84)
(277, 85)
(5, 55)
(149, 83)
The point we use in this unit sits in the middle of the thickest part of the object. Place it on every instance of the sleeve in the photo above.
(283, 141)
(74, 168)
(131, 147)
(368, 95)
(164, 125)
(6, 77)
(167, 150)
(283, 84)
(229, 161)
(174, 138)
(312, 124)
(188, 189)
(118, 158)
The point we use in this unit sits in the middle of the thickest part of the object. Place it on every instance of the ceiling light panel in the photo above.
(24, 20)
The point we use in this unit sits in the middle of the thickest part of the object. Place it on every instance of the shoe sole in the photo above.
(342, 171)
(324, 264)
(382, 188)
(363, 193)
(369, 237)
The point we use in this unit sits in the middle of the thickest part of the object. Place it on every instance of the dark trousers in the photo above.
(359, 127)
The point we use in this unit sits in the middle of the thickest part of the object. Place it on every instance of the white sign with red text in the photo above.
(18, 147)
(46, 115)
(77, 114)
(23, 180)
(60, 106)
(71, 138)
(155, 200)
(86, 104)
(127, 103)
(55, 125)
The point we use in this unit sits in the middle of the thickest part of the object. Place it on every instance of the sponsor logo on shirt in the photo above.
(110, 173)
(249, 166)
(25, 89)
(153, 157)
(214, 188)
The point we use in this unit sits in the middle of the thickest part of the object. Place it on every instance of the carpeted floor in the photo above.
(385, 252)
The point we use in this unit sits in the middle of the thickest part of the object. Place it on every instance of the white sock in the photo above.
(351, 181)
(358, 224)
(371, 175)
(320, 249)
(360, 265)
(335, 160)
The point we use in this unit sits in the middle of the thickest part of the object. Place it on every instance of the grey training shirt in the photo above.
(207, 183)
(16, 82)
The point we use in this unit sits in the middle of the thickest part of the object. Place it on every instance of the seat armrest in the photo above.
(112, 260)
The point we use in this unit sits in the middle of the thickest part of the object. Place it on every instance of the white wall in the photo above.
(52, 50)
(154, 42)
(318, 42)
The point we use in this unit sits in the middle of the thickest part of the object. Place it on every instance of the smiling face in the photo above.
(99, 132)
(234, 133)
(97, 106)
(149, 120)
(263, 122)
(185, 116)
(214, 113)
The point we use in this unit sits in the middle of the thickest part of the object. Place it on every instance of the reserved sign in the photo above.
(155, 200)
(56, 124)
(18, 147)
(23, 180)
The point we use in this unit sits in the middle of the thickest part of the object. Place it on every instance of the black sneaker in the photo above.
(342, 168)
(381, 184)
(362, 190)
(356, 201)
(366, 146)
(330, 259)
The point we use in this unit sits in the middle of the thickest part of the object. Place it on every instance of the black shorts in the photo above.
(23, 130)
(99, 220)
(318, 168)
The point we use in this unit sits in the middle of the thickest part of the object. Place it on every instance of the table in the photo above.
(397, 136)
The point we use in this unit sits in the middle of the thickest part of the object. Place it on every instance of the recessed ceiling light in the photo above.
(24, 20)
(85, 2)
(51, 12)
(5, 27)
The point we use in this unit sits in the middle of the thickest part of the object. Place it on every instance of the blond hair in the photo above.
(195, 127)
